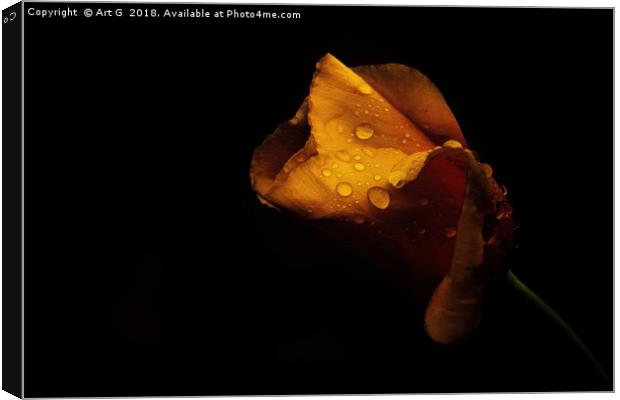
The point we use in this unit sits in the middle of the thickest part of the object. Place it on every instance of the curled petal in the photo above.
(277, 150)
(416, 97)
(345, 109)
(454, 310)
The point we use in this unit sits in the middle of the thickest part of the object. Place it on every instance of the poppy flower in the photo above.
(375, 157)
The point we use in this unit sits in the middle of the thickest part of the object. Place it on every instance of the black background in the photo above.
(151, 268)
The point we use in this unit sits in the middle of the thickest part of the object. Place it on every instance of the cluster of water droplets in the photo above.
(377, 196)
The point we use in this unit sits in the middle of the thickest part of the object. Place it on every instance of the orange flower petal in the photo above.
(411, 92)
(277, 151)
(346, 110)
(484, 238)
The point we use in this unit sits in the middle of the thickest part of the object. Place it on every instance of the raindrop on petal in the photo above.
(450, 232)
(364, 131)
(358, 219)
(344, 189)
(486, 168)
(343, 156)
(378, 197)
(397, 179)
(452, 144)
(368, 152)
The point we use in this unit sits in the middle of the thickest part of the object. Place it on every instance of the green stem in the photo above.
(544, 307)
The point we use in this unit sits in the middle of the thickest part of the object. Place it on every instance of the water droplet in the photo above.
(503, 210)
(309, 211)
(368, 152)
(349, 140)
(452, 144)
(357, 113)
(364, 88)
(486, 168)
(326, 172)
(423, 201)
(376, 115)
(397, 179)
(293, 121)
(344, 189)
(334, 165)
(343, 156)
(357, 157)
(359, 166)
(404, 141)
(378, 197)
(450, 232)
(504, 189)
(407, 135)
(358, 219)
(364, 131)
(377, 177)
(386, 109)
(340, 129)
(377, 165)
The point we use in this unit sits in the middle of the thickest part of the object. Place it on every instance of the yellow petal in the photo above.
(277, 149)
(411, 92)
(346, 111)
